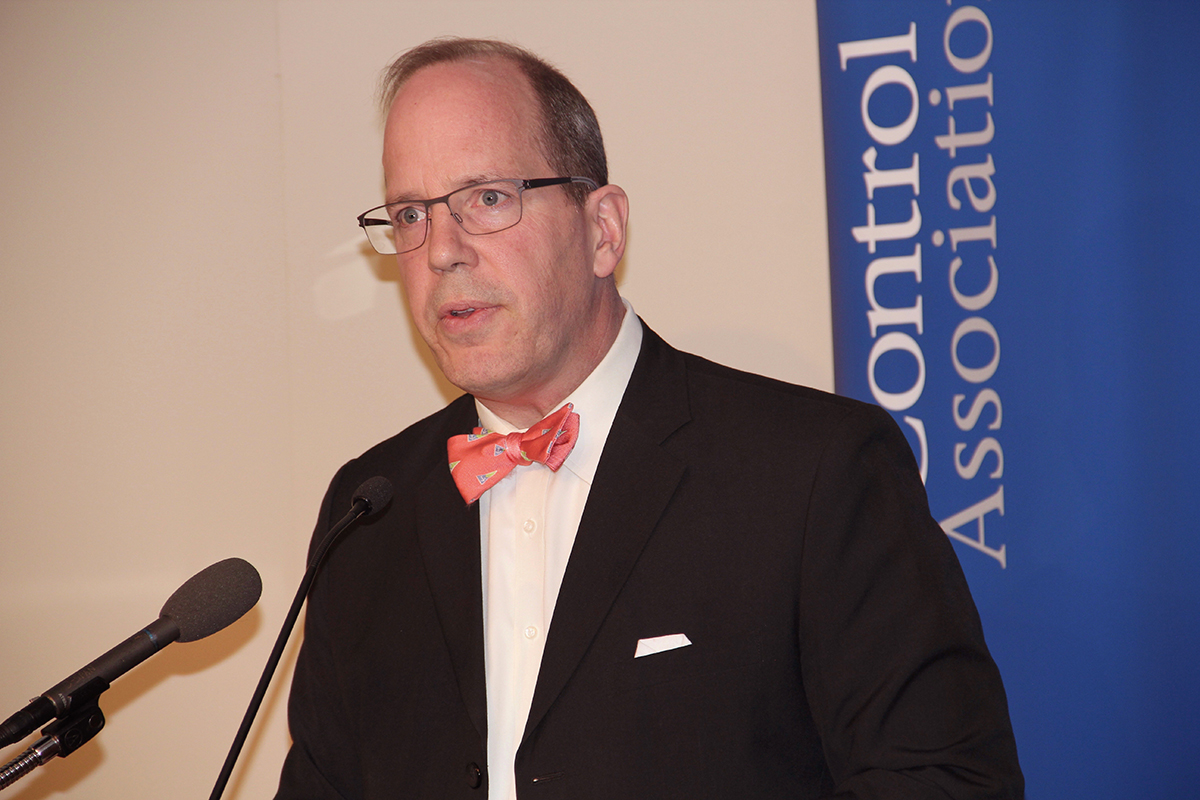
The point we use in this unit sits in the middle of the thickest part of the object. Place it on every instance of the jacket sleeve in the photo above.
(907, 700)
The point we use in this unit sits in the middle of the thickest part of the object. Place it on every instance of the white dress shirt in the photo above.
(527, 525)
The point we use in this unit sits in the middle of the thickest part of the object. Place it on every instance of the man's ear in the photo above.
(608, 214)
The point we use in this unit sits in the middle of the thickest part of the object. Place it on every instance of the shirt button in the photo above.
(529, 527)
(531, 632)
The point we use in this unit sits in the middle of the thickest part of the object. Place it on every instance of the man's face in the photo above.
(510, 316)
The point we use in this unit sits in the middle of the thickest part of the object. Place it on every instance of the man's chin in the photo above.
(477, 373)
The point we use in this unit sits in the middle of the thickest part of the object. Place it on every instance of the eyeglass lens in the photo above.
(479, 208)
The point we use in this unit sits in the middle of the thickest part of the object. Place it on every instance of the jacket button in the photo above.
(474, 775)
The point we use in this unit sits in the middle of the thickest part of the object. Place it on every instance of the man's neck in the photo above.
(529, 408)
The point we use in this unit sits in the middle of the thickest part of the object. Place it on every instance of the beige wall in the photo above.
(192, 338)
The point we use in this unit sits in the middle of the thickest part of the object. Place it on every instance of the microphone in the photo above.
(210, 600)
(373, 494)
(369, 498)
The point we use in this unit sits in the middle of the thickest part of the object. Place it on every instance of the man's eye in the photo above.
(410, 215)
(490, 197)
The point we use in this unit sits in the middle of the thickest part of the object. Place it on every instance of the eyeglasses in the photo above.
(481, 208)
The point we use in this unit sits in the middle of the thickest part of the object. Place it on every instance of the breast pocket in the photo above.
(701, 661)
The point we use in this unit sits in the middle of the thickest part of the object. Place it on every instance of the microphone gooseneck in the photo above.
(370, 498)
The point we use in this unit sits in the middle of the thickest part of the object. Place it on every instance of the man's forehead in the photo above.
(456, 123)
(490, 80)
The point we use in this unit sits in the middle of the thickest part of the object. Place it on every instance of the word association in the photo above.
(969, 180)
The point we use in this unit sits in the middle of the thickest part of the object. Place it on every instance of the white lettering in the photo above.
(977, 513)
(883, 46)
(881, 178)
(981, 400)
(974, 234)
(976, 62)
(879, 315)
(974, 302)
(967, 42)
(891, 134)
(954, 140)
(975, 325)
(872, 233)
(966, 173)
(896, 401)
(970, 91)
(987, 445)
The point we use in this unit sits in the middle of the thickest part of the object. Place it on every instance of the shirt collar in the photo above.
(596, 399)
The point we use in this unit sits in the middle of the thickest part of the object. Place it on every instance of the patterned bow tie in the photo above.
(478, 460)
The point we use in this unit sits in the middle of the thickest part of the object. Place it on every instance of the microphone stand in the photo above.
(361, 507)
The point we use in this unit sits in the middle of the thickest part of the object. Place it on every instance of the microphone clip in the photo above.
(63, 736)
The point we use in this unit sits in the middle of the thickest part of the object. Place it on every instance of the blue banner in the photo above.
(1012, 194)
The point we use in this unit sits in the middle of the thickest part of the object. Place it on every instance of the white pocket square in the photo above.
(659, 644)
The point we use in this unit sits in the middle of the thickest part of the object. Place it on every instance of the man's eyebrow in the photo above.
(462, 183)
(399, 198)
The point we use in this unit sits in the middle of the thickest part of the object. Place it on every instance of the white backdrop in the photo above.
(194, 335)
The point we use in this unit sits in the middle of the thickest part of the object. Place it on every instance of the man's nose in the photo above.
(445, 238)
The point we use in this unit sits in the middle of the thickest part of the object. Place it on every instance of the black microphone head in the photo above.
(213, 598)
(376, 492)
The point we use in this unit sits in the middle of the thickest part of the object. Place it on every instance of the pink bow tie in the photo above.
(478, 460)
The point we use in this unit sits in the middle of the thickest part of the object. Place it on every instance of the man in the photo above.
(729, 588)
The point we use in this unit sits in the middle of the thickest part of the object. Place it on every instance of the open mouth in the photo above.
(462, 312)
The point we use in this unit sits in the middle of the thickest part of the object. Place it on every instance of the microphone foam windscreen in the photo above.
(213, 598)
(376, 491)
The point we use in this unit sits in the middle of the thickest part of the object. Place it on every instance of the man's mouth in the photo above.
(462, 312)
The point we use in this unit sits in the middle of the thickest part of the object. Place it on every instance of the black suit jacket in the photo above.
(784, 531)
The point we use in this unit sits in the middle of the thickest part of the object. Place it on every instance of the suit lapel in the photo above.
(623, 508)
(448, 531)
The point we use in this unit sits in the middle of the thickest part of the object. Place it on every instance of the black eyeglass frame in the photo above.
(521, 183)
